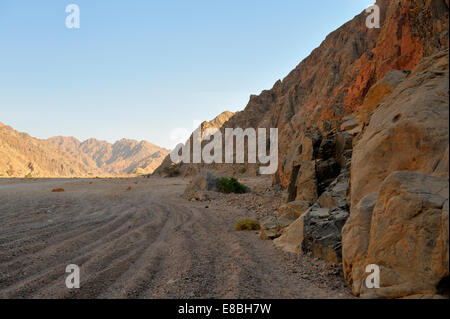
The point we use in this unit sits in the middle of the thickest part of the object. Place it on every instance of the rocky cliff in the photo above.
(399, 188)
(333, 81)
(363, 142)
(329, 85)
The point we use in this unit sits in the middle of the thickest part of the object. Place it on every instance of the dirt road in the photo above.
(144, 242)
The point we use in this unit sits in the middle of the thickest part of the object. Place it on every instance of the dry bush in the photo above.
(247, 224)
(230, 185)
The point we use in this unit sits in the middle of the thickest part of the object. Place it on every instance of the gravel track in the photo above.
(146, 242)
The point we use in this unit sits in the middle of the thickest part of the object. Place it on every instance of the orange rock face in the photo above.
(334, 79)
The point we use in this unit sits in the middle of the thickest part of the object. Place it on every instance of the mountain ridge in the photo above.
(66, 156)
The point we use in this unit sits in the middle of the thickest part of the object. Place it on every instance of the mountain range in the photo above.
(22, 155)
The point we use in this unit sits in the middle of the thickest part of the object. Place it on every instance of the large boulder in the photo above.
(274, 226)
(203, 182)
(322, 232)
(406, 234)
(407, 131)
(270, 228)
(289, 212)
(292, 237)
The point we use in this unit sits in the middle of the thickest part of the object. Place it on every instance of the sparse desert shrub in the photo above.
(129, 188)
(57, 190)
(247, 224)
(230, 185)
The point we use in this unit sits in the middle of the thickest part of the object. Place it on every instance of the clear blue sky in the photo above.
(141, 68)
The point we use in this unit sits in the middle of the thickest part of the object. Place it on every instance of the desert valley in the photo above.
(362, 181)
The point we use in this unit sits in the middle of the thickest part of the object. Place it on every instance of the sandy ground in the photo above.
(147, 242)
